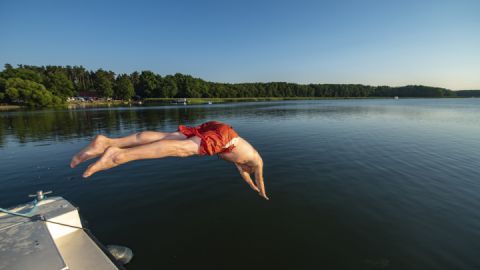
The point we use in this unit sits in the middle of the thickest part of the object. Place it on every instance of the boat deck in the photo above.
(31, 243)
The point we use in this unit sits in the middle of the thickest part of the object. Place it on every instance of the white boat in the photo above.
(48, 234)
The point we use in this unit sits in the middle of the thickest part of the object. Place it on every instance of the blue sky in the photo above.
(370, 42)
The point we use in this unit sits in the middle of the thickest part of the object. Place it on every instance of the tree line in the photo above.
(50, 85)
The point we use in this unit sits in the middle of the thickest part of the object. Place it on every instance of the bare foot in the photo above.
(109, 159)
(93, 150)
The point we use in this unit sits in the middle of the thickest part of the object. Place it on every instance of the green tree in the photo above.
(135, 79)
(59, 84)
(80, 78)
(64, 81)
(104, 83)
(147, 84)
(2, 89)
(169, 86)
(30, 93)
(124, 87)
(23, 73)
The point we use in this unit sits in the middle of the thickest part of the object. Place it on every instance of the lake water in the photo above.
(354, 184)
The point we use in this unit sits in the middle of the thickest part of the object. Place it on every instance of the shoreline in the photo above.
(243, 99)
(197, 101)
(7, 107)
(200, 101)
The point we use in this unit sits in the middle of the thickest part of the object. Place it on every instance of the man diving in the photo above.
(206, 139)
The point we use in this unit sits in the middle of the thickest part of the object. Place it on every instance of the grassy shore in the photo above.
(97, 103)
(191, 101)
(5, 107)
(246, 99)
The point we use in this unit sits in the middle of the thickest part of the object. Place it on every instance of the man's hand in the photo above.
(245, 173)
(259, 179)
(262, 194)
(246, 176)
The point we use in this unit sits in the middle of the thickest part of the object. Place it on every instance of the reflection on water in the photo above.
(27, 126)
(354, 184)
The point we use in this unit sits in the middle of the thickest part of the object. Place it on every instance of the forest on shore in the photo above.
(43, 86)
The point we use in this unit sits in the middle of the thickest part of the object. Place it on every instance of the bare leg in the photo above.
(100, 143)
(115, 156)
(145, 137)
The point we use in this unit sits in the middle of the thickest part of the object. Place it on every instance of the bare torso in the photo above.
(243, 154)
(248, 161)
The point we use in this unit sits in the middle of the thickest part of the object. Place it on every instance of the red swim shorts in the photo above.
(216, 137)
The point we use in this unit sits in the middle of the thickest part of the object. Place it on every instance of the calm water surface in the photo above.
(354, 184)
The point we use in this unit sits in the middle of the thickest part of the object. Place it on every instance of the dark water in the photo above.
(354, 184)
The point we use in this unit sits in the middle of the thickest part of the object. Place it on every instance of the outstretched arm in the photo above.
(144, 137)
(246, 176)
(259, 179)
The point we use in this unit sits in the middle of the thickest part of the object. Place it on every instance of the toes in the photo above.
(91, 169)
(81, 157)
(78, 158)
(75, 161)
